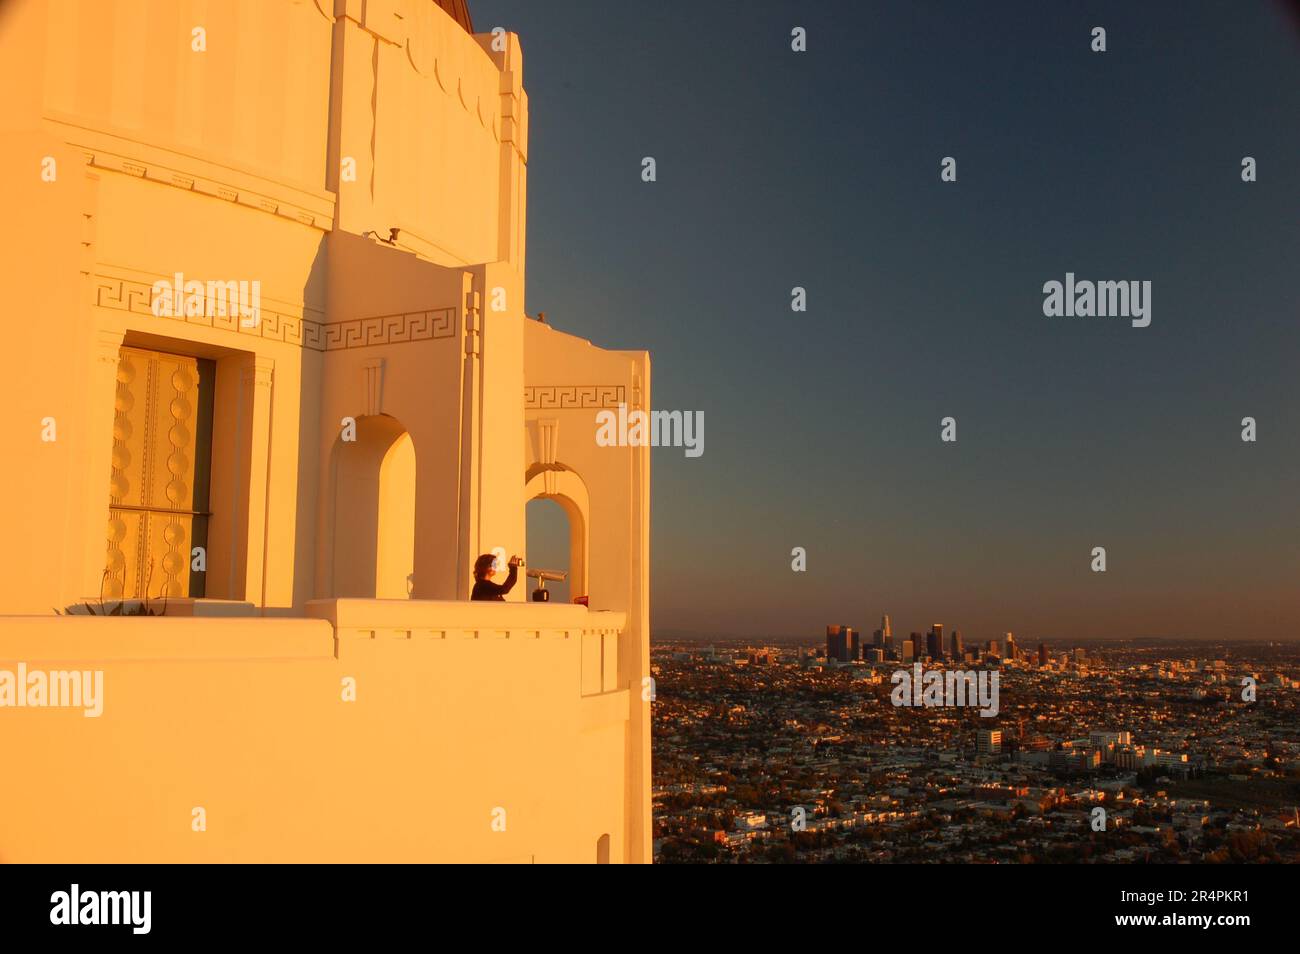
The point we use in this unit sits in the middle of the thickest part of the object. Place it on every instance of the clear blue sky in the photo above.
(821, 169)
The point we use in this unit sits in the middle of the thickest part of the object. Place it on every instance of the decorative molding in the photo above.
(472, 325)
(424, 633)
(320, 9)
(121, 294)
(136, 297)
(258, 372)
(119, 482)
(109, 342)
(548, 432)
(179, 490)
(388, 329)
(157, 172)
(374, 386)
(482, 99)
(548, 444)
(575, 396)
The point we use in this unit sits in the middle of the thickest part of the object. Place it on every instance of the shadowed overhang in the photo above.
(458, 10)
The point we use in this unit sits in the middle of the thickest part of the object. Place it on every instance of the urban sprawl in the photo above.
(1121, 751)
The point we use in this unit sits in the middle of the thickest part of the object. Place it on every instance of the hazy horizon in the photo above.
(1028, 642)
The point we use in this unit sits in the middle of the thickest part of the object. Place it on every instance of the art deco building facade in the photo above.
(267, 357)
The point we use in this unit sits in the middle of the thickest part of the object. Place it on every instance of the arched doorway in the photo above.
(374, 510)
(549, 538)
(566, 489)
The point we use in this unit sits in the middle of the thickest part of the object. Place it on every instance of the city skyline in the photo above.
(814, 634)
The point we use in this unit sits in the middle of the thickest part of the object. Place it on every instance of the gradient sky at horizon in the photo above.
(821, 169)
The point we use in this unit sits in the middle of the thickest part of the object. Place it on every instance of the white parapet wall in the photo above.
(378, 731)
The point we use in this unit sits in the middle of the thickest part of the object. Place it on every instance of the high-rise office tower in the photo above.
(855, 643)
(958, 651)
(837, 643)
(994, 648)
(1042, 654)
(877, 638)
(886, 635)
(1011, 645)
(918, 645)
(988, 741)
(934, 641)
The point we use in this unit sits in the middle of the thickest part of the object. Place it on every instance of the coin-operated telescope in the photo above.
(541, 594)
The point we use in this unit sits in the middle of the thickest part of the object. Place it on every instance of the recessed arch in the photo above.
(374, 510)
(565, 487)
